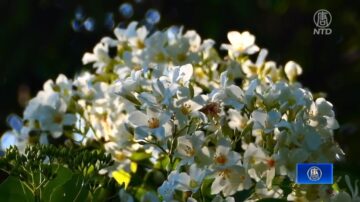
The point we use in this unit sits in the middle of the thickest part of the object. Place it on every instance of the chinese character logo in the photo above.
(322, 20)
(314, 173)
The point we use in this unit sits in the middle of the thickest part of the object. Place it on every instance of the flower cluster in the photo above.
(213, 127)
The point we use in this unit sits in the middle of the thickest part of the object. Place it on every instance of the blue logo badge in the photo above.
(314, 173)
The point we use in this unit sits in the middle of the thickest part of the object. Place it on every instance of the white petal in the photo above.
(217, 185)
(292, 70)
(15, 122)
(88, 58)
(164, 118)
(183, 182)
(141, 132)
(332, 123)
(262, 55)
(186, 72)
(159, 133)
(223, 79)
(259, 117)
(147, 98)
(247, 38)
(8, 139)
(252, 49)
(138, 118)
(62, 79)
(270, 176)
(235, 91)
(190, 199)
(234, 37)
(273, 117)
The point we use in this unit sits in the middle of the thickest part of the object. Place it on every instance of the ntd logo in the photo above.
(322, 19)
(314, 173)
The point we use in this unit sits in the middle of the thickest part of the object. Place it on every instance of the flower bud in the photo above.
(292, 70)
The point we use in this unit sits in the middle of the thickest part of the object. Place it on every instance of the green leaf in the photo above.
(62, 176)
(140, 192)
(243, 195)
(192, 91)
(247, 133)
(74, 189)
(206, 188)
(13, 190)
(100, 194)
(139, 156)
(162, 163)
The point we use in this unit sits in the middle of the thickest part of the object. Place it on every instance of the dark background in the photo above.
(37, 42)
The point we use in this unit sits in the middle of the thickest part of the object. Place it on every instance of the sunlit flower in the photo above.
(322, 114)
(237, 120)
(100, 56)
(240, 43)
(152, 123)
(50, 110)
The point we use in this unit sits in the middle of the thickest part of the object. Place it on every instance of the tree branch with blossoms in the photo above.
(181, 123)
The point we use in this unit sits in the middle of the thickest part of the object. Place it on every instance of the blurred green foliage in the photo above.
(50, 173)
(37, 43)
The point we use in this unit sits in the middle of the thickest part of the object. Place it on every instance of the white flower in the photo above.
(186, 109)
(285, 96)
(174, 78)
(252, 70)
(230, 180)
(13, 138)
(126, 86)
(292, 70)
(84, 85)
(50, 110)
(223, 156)
(100, 56)
(154, 122)
(192, 181)
(230, 95)
(264, 122)
(237, 121)
(321, 114)
(65, 87)
(263, 191)
(302, 136)
(241, 43)
(157, 54)
(18, 136)
(132, 35)
(288, 158)
(259, 164)
(189, 146)
(167, 189)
